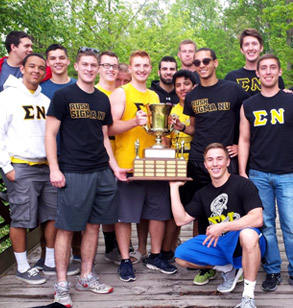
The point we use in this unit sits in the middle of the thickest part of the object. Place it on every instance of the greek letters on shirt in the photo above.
(82, 111)
(247, 84)
(34, 112)
(202, 106)
(218, 205)
(261, 117)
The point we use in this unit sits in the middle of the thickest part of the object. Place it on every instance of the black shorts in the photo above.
(144, 200)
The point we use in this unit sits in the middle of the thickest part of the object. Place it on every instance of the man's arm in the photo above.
(181, 217)
(244, 143)
(118, 101)
(189, 130)
(52, 127)
(253, 219)
(119, 173)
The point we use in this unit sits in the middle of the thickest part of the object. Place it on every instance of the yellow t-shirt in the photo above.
(125, 148)
(176, 136)
(108, 93)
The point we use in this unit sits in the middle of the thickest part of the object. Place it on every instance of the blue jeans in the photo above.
(274, 188)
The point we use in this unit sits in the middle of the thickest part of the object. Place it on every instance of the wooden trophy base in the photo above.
(160, 169)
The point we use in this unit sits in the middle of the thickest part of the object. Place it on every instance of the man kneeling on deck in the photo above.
(233, 243)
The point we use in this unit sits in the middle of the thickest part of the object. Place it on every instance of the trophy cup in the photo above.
(159, 162)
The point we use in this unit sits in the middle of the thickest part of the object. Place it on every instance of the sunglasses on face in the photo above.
(85, 49)
(205, 61)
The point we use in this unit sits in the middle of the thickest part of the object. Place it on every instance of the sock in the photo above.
(21, 260)
(249, 287)
(49, 257)
(154, 256)
(110, 241)
(223, 268)
(167, 254)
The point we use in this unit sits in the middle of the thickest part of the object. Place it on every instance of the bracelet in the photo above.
(183, 129)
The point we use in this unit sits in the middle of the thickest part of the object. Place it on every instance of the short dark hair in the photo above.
(31, 55)
(186, 74)
(14, 38)
(55, 47)
(87, 51)
(250, 32)
(187, 42)
(212, 52)
(215, 145)
(167, 59)
(107, 53)
(267, 56)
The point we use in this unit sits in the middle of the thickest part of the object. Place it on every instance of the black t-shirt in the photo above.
(82, 116)
(271, 132)
(228, 202)
(248, 80)
(165, 97)
(216, 110)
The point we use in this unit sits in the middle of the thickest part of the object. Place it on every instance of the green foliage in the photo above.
(156, 26)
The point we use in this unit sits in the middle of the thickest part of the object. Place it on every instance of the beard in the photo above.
(166, 81)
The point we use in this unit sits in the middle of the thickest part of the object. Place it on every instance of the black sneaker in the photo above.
(160, 264)
(125, 270)
(271, 282)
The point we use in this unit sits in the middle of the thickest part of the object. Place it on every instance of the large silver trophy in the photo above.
(159, 162)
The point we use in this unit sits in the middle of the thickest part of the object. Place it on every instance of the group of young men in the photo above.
(54, 140)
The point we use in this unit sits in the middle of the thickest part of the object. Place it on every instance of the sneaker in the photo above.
(71, 270)
(62, 295)
(31, 276)
(230, 280)
(271, 282)
(126, 271)
(290, 280)
(246, 302)
(160, 264)
(93, 284)
(113, 256)
(39, 264)
(204, 276)
(76, 258)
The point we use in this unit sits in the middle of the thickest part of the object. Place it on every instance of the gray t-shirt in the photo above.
(6, 71)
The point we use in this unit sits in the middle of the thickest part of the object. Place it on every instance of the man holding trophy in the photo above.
(138, 199)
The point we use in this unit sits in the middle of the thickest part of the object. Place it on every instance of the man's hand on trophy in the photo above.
(177, 124)
(141, 118)
(121, 174)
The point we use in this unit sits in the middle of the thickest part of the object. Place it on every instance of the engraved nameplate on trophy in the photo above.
(159, 162)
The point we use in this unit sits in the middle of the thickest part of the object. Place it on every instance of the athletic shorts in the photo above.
(224, 253)
(32, 198)
(87, 198)
(144, 200)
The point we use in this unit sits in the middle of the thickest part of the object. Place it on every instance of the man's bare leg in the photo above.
(89, 244)
(123, 235)
(62, 253)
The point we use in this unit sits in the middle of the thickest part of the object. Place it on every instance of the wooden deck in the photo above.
(151, 289)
